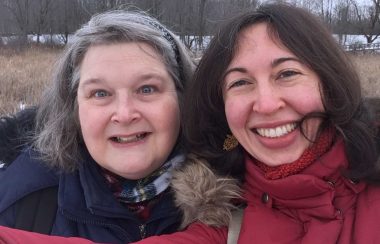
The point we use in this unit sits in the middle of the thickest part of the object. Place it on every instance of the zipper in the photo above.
(120, 231)
(142, 231)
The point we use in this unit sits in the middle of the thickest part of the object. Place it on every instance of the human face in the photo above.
(267, 91)
(128, 108)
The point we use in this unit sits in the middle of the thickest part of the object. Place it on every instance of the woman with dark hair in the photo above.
(276, 103)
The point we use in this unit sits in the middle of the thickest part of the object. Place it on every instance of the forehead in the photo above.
(252, 32)
(122, 62)
(122, 56)
(258, 41)
(122, 50)
(258, 33)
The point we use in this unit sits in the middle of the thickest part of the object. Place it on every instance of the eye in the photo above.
(100, 93)
(147, 89)
(287, 74)
(238, 83)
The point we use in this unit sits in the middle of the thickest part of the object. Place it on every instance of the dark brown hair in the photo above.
(304, 35)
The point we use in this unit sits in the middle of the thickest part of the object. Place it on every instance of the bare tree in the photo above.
(153, 7)
(326, 11)
(342, 20)
(181, 17)
(19, 10)
(368, 21)
(201, 22)
(69, 16)
(43, 8)
(192, 20)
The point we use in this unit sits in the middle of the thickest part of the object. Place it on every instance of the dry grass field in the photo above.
(24, 74)
(368, 66)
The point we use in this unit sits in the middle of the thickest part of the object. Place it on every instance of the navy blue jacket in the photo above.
(86, 206)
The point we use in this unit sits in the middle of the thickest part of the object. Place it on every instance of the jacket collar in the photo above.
(85, 193)
(315, 189)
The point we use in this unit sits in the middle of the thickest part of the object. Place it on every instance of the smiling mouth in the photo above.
(129, 139)
(276, 131)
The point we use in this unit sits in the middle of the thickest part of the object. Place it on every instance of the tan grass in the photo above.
(368, 67)
(24, 74)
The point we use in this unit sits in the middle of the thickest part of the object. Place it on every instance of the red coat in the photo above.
(318, 205)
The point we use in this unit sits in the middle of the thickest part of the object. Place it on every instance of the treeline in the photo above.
(192, 20)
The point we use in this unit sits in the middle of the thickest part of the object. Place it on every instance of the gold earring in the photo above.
(230, 143)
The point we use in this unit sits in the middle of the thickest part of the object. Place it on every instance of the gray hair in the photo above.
(58, 136)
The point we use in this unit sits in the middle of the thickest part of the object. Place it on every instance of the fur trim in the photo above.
(202, 195)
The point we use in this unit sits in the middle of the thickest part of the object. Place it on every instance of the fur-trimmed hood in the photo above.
(202, 195)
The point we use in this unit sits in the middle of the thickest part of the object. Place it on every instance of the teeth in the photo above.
(129, 138)
(277, 131)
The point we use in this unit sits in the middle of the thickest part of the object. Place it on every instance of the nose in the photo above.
(268, 99)
(125, 110)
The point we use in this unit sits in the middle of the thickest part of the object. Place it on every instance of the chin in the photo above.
(132, 175)
(278, 162)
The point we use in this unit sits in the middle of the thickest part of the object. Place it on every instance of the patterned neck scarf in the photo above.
(135, 191)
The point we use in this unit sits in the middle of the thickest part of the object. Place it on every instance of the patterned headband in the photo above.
(173, 44)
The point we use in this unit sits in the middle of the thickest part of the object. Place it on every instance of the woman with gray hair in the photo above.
(107, 134)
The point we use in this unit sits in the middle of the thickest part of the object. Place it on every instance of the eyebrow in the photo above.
(279, 61)
(90, 81)
(143, 77)
(237, 69)
(274, 63)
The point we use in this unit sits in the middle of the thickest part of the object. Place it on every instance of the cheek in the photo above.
(315, 96)
(311, 127)
(167, 117)
(83, 123)
(236, 113)
(311, 103)
(90, 120)
(82, 115)
(306, 99)
(172, 122)
(308, 105)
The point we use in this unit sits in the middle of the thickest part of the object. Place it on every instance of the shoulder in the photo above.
(368, 204)
(25, 175)
(371, 195)
(367, 215)
(28, 162)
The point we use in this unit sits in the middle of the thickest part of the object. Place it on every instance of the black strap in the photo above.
(36, 212)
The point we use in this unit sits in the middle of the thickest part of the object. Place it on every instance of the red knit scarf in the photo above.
(321, 146)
